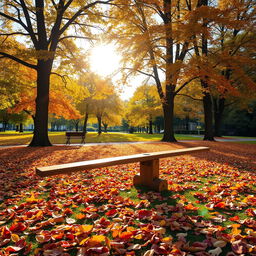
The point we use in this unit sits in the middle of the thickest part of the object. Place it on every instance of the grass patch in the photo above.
(15, 138)
(246, 142)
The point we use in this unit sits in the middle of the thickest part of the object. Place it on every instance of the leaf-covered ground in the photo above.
(210, 207)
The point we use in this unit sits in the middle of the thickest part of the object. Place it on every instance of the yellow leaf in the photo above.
(235, 231)
(138, 236)
(162, 223)
(96, 240)
(86, 228)
(167, 240)
(15, 238)
(32, 198)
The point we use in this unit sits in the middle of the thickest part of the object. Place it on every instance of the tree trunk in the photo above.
(76, 125)
(105, 127)
(207, 99)
(187, 123)
(99, 125)
(150, 125)
(21, 127)
(168, 108)
(40, 136)
(85, 122)
(5, 125)
(219, 106)
(208, 116)
(17, 128)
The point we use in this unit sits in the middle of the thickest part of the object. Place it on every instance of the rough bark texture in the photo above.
(219, 106)
(208, 117)
(40, 137)
(168, 122)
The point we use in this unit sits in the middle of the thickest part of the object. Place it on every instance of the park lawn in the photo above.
(210, 207)
(14, 138)
(246, 142)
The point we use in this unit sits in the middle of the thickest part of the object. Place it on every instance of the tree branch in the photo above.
(63, 77)
(182, 86)
(141, 72)
(180, 94)
(13, 19)
(78, 13)
(79, 37)
(29, 24)
(14, 33)
(6, 55)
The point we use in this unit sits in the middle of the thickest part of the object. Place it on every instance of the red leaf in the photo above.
(18, 227)
(4, 242)
(235, 218)
(144, 214)
(111, 213)
(5, 233)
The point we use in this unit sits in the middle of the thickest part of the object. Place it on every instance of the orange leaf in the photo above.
(126, 235)
(191, 207)
(80, 216)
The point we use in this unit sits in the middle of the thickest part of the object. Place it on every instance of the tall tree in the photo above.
(44, 24)
(156, 34)
(220, 47)
(202, 43)
(235, 48)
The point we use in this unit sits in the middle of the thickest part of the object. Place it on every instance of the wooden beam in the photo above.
(98, 163)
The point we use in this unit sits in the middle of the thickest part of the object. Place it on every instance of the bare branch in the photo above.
(78, 37)
(180, 94)
(29, 24)
(78, 13)
(13, 19)
(141, 72)
(14, 33)
(6, 55)
(182, 86)
(63, 77)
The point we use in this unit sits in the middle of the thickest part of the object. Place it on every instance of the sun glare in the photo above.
(104, 60)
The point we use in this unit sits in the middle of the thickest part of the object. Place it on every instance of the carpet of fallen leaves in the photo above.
(210, 207)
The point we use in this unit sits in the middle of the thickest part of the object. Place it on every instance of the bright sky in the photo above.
(105, 60)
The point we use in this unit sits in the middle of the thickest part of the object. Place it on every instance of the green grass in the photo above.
(246, 142)
(238, 137)
(15, 138)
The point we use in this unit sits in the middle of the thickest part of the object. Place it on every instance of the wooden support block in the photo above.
(149, 176)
